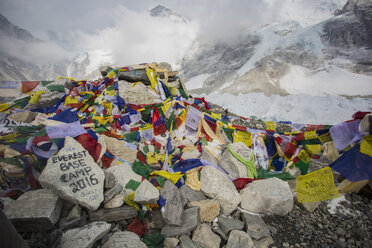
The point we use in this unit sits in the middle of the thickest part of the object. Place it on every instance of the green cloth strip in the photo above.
(251, 168)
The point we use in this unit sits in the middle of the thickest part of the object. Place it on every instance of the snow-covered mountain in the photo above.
(314, 52)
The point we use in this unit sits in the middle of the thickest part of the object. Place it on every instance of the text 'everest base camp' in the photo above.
(132, 159)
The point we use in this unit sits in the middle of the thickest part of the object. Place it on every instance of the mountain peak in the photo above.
(8, 29)
(162, 11)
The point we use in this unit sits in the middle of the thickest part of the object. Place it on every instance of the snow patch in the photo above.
(334, 206)
(196, 82)
(336, 81)
(300, 108)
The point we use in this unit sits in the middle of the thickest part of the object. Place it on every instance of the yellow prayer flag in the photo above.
(111, 74)
(314, 149)
(216, 116)
(270, 125)
(108, 106)
(174, 177)
(324, 138)
(129, 200)
(150, 159)
(310, 135)
(35, 98)
(4, 106)
(366, 145)
(102, 119)
(316, 186)
(304, 156)
(245, 137)
(71, 99)
(151, 74)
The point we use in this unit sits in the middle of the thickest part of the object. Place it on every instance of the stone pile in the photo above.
(92, 186)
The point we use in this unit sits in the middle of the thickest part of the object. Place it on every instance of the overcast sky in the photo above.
(123, 31)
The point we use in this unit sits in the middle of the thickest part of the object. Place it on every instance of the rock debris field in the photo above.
(133, 160)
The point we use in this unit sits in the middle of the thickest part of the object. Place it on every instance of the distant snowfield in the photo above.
(196, 82)
(299, 108)
(335, 81)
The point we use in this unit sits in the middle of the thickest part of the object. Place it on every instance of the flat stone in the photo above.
(146, 193)
(186, 242)
(232, 165)
(105, 69)
(204, 236)
(229, 224)
(154, 219)
(220, 233)
(190, 220)
(264, 242)
(271, 195)
(217, 185)
(206, 155)
(35, 210)
(110, 193)
(49, 99)
(189, 195)
(73, 175)
(171, 242)
(173, 209)
(139, 94)
(191, 154)
(120, 150)
(239, 239)
(114, 214)
(116, 201)
(134, 76)
(86, 236)
(110, 180)
(255, 226)
(124, 239)
(209, 209)
(25, 116)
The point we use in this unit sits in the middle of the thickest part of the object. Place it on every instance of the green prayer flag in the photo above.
(141, 169)
(154, 240)
(133, 185)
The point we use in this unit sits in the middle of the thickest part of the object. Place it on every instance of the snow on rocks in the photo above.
(271, 195)
(73, 175)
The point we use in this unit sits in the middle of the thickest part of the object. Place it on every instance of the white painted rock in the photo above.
(217, 185)
(232, 165)
(86, 236)
(124, 239)
(146, 193)
(73, 175)
(271, 195)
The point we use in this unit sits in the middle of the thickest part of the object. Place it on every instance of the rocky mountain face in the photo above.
(261, 59)
(162, 11)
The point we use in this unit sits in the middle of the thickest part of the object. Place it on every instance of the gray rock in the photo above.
(173, 208)
(186, 242)
(239, 239)
(189, 195)
(220, 233)
(124, 239)
(36, 210)
(170, 242)
(225, 193)
(105, 69)
(204, 237)
(154, 219)
(86, 236)
(119, 149)
(139, 94)
(206, 155)
(255, 226)
(110, 180)
(267, 196)
(209, 209)
(25, 116)
(109, 194)
(229, 224)
(73, 175)
(190, 220)
(115, 214)
(74, 213)
(134, 76)
(232, 165)
(49, 99)
(146, 193)
(65, 224)
(264, 242)
(191, 154)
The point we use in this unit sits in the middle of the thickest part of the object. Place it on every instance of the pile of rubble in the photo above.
(132, 160)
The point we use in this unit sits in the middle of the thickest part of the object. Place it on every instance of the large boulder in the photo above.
(36, 210)
(239, 239)
(232, 165)
(146, 193)
(271, 195)
(190, 220)
(217, 185)
(139, 94)
(209, 209)
(124, 239)
(204, 237)
(173, 208)
(73, 175)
